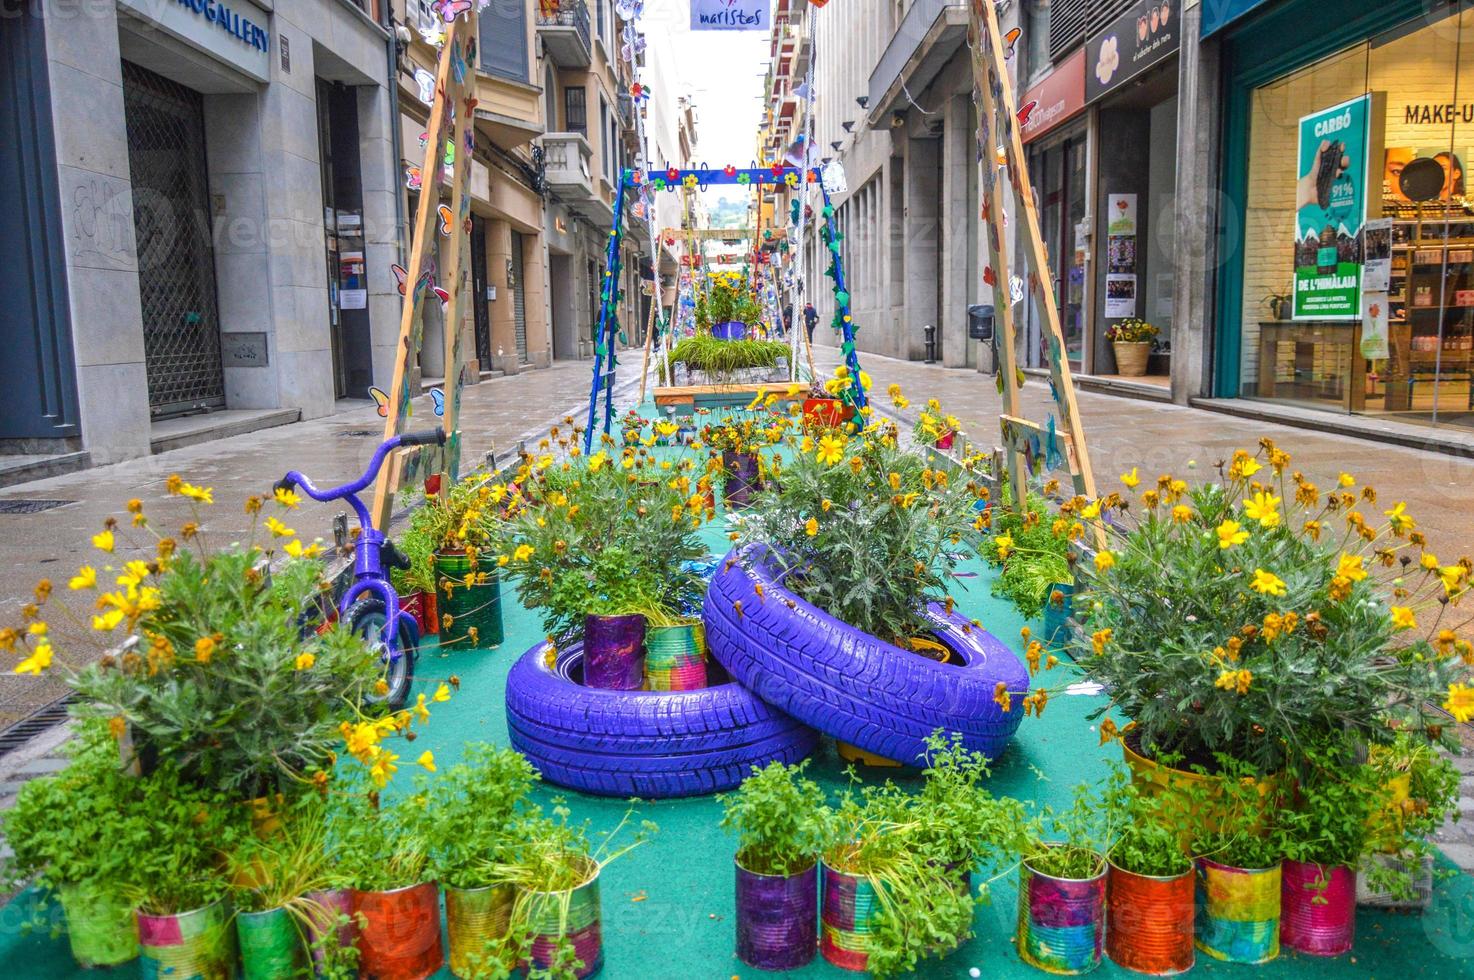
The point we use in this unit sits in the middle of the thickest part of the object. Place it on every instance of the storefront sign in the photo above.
(1218, 14)
(729, 15)
(1055, 100)
(1144, 35)
(236, 32)
(1331, 207)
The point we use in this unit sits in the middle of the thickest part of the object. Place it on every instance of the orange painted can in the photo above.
(1149, 921)
(399, 938)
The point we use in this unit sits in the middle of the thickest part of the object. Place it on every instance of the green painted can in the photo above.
(476, 606)
(271, 944)
(100, 926)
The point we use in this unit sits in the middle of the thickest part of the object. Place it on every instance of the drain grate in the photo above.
(34, 724)
(30, 505)
(356, 433)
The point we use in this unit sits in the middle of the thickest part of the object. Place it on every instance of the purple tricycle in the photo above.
(370, 608)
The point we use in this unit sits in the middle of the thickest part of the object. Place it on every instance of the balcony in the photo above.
(930, 33)
(564, 27)
(568, 158)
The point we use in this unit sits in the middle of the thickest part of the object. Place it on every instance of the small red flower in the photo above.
(777, 170)
(989, 276)
(730, 170)
(672, 175)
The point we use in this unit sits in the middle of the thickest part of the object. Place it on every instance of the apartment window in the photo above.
(503, 47)
(599, 24)
(550, 101)
(574, 116)
(606, 152)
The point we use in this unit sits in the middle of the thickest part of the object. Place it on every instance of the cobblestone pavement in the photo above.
(495, 414)
(1159, 438)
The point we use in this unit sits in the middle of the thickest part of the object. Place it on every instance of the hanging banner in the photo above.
(1330, 209)
(729, 15)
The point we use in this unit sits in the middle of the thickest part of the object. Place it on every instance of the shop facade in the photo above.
(223, 179)
(1350, 286)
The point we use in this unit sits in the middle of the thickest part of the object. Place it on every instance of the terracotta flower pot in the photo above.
(575, 915)
(469, 607)
(829, 412)
(200, 943)
(100, 927)
(399, 938)
(474, 917)
(1238, 912)
(1317, 908)
(1061, 921)
(614, 652)
(777, 918)
(1149, 921)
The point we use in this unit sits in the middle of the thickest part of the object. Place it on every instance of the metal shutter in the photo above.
(519, 301)
(503, 42)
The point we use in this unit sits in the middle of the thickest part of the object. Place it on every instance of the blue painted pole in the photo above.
(608, 296)
(846, 324)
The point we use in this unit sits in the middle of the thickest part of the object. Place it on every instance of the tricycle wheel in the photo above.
(366, 618)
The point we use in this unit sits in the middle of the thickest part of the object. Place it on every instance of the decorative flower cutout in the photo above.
(672, 175)
(744, 178)
(730, 170)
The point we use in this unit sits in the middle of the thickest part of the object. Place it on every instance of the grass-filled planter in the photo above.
(851, 685)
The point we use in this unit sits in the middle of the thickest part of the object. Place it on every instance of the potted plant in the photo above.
(1279, 304)
(557, 919)
(727, 361)
(935, 427)
(1062, 885)
(68, 834)
(597, 543)
(675, 652)
(1131, 339)
(780, 820)
(824, 406)
(1238, 865)
(458, 522)
(1237, 619)
(740, 438)
(274, 878)
(471, 811)
(727, 309)
(1035, 561)
(1149, 885)
(1421, 790)
(385, 859)
(416, 584)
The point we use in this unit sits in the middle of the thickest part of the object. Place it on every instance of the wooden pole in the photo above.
(456, 278)
(452, 76)
(649, 337)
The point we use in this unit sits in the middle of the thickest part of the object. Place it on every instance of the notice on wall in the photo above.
(353, 299)
(1376, 255)
(729, 15)
(1330, 211)
(1120, 298)
(1373, 325)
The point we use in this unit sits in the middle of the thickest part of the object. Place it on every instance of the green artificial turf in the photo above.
(668, 906)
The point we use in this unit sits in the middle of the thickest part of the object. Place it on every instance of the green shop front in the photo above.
(1346, 240)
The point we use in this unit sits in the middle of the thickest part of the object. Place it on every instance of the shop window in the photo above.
(1358, 278)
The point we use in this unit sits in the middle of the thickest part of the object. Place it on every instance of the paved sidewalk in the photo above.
(495, 415)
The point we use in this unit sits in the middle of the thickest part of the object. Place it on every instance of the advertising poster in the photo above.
(1330, 210)
(729, 15)
(1120, 298)
(1376, 255)
(1374, 326)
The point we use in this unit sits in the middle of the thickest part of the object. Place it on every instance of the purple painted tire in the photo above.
(650, 744)
(851, 685)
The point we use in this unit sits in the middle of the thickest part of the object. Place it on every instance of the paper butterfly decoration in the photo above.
(1027, 110)
(381, 401)
(451, 9)
(433, 35)
(1009, 40)
(426, 81)
(447, 219)
(412, 178)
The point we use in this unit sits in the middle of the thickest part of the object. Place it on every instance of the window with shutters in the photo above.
(1072, 21)
(503, 41)
(574, 115)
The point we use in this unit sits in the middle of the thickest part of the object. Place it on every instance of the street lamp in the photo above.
(863, 100)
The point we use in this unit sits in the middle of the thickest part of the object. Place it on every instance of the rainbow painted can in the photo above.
(849, 906)
(674, 658)
(1238, 912)
(1061, 921)
(198, 945)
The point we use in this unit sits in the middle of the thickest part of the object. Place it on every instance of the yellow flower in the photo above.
(864, 381)
(295, 548)
(522, 552)
(1091, 510)
(1181, 514)
(1131, 479)
(1104, 560)
(305, 661)
(383, 768)
(1451, 576)
(38, 628)
(1402, 618)
(1100, 638)
(1230, 534)
(1346, 480)
(825, 504)
(1460, 702)
(1429, 561)
(287, 498)
(1248, 467)
(811, 527)
(1399, 519)
(103, 541)
(665, 429)
(204, 649)
(441, 695)
(1005, 545)
(199, 494)
(38, 661)
(1267, 583)
(1351, 567)
(133, 575)
(895, 480)
(427, 760)
(109, 620)
(1234, 680)
(86, 578)
(831, 450)
(1264, 508)
(278, 529)
(421, 713)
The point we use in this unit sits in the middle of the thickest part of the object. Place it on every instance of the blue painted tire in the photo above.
(650, 744)
(850, 684)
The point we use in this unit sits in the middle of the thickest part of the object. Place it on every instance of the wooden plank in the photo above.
(456, 277)
(416, 286)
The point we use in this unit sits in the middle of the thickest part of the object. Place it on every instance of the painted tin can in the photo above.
(1149, 921)
(613, 652)
(399, 936)
(271, 944)
(100, 927)
(474, 918)
(1238, 918)
(849, 906)
(575, 914)
(743, 478)
(777, 918)
(198, 945)
(673, 659)
(323, 911)
(1317, 908)
(477, 606)
(1061, 921)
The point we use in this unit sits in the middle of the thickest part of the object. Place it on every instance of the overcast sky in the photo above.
(723, 72)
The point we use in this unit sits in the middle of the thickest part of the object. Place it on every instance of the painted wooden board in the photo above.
(455, 79)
